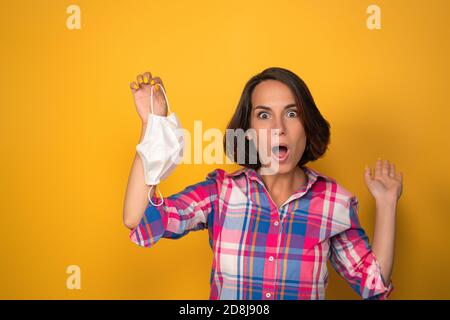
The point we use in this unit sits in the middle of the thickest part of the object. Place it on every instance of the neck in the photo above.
(284, 183)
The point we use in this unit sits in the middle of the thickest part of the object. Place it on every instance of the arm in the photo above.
(384, 237)
(352, 257)
(136, 198)
(368, 268)
(189, 210)
(385, 185)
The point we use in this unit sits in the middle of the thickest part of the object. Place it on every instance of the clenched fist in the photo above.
(141, 93)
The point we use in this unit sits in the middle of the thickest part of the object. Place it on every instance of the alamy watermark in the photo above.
(250, 146)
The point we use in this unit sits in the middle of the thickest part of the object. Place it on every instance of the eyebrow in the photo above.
(268, 108)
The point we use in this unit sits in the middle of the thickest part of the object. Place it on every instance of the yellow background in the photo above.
(69, 129)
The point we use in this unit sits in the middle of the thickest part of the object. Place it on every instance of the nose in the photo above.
(279, 128)
(279, 132)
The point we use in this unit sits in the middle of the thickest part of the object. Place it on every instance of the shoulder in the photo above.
(335, 190)
(224, 179)
(341, 201)
(220, 174)
(348, 198)
(217, 174)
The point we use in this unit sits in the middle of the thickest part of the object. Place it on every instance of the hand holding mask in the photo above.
(161, 149)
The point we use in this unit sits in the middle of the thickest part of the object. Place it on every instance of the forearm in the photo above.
(384, 236)
(136, 195)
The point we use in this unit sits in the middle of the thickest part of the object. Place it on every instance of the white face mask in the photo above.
(162, 147)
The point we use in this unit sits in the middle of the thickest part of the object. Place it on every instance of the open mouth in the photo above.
(281, 152)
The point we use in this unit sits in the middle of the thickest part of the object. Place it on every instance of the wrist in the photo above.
(160, 113)
(143, 130)
(386, 203)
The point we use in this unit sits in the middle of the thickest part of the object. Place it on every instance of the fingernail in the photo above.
(145, 80)
(156, 88)
(140, 80)
(152, 82)
(136, 86)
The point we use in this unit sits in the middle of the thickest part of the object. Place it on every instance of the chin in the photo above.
(284, 168)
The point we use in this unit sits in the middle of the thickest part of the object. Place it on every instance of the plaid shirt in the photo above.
(262, 252)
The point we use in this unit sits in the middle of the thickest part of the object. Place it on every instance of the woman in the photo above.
(272, 234)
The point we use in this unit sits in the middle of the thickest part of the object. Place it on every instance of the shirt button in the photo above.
(275, 223)
(271, 258)
(268, 295)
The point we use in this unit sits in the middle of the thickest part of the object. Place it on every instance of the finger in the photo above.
(378, 168)
(392, 171)
(367, 174)
(156, 81)
(140, 79)
(385, 168)
(147, 77)
(399, 176)
(134, 87)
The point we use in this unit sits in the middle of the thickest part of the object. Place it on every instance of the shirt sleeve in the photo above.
(180, 213)
(352, 257)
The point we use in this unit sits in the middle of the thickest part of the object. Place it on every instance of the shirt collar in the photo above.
(252, 174)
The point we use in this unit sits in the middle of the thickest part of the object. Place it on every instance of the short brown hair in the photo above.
(316, 127)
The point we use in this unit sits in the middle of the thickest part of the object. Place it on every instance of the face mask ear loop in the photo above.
(150, 199)
(165, 96)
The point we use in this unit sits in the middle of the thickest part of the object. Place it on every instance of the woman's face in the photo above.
(280, 136)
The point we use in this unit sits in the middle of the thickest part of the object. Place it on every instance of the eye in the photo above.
(263, 115)
(292, 113)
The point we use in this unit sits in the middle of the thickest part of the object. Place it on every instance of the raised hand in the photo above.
(141, 93)
(384, 183)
